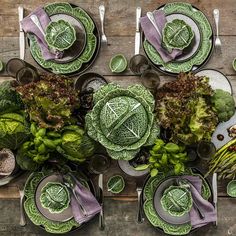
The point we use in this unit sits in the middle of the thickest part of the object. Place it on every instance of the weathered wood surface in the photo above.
(120, 15)
(120, 28)
(120, 220)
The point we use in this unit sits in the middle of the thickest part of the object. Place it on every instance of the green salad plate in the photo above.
(179, 225)
(197, 53)
(84, 50)
(176, 200)
(47, 181)
(177, 34)
(55, 197)
(60, 35)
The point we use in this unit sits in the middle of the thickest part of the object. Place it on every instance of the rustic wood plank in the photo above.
(9, 49)
(120, 219)
(120, 15)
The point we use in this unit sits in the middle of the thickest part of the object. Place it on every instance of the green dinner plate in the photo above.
(90, 47)
(149, 207)
(33, 212)
(195, 60)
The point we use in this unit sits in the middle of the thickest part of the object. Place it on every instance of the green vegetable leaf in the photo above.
(154, 172)
(171, 147)
(142, 167)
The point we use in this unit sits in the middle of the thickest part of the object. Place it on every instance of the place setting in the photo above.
(63, 38)
(71, 138)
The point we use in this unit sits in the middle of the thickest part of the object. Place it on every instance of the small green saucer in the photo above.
(1, 66)
(118, 63)
(234, 63)
(115, 184)
(231, 188)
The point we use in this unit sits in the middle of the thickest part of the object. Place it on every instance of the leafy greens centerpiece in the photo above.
(122, 120)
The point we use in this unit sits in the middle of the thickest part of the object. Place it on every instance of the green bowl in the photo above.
(1, 66)
(234, 63)
(177, 200)
(231, 188)
(55, 197)
(60, 35)
(177, 34)
(118, 63)
(116, 184)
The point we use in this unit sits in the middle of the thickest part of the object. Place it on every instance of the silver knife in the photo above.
(137, 34)
(214, 188)
(100, 200)
(22, 35)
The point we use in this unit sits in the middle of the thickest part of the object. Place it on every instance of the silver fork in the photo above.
(102, 16)
(22, 214)
(216, 14)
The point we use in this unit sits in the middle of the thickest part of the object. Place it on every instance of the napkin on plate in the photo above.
(154, 38)
(29, 27)
(204, 205)
(88, 201)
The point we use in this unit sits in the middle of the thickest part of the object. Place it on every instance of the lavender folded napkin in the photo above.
(204, 205)
(87, 200)
(29, 27)
(154, 38)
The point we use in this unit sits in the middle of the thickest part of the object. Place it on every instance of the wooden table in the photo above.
(120, 210)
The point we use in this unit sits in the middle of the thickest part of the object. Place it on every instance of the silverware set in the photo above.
(100, 200)
(215, 192)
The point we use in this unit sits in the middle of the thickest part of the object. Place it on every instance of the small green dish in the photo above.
(60, 35)
(234, 63)
(1, 66)
(118, 63)
(177, 200)
(177, 34)
(231, 188)
(55, 197)
(115, 184)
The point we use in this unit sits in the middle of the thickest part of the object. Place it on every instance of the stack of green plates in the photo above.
(195, 55)
(171, 225)
(84, 51)
(56, 223)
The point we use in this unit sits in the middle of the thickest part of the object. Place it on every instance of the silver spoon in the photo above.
(185, 183)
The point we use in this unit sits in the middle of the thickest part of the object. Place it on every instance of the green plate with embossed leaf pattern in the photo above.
(177, 34)
(31, 206)
(79, 18)
(197, 53)
(60, 35)
(153, 217)
(55, 197)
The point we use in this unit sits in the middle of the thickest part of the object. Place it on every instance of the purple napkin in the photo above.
(204, 205)
(87, 200)
(29, 27)
(154, 38)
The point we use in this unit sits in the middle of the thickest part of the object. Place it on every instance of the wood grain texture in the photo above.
(120, 15)
(120, 219)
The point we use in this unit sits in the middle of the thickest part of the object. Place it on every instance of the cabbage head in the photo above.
(14, 130)
(76, 145)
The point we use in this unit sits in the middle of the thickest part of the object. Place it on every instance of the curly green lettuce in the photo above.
(184, 107)
(50, 101)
